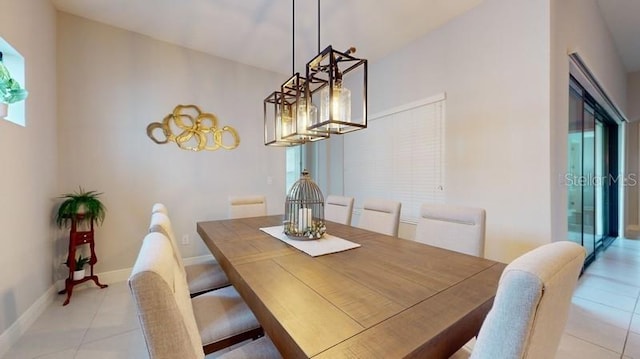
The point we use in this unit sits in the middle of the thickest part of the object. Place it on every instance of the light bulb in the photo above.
(339, 105)
(305, 117)
(285, 118)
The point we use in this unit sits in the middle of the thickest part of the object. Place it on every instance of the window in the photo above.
(14, 62)
(293, 166)
(400, 157)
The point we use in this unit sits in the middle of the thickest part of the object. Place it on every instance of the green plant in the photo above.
(81, 261)
(10, 90)
(80, 202)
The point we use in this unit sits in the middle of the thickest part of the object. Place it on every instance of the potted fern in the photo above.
(10, 90)
(83, 206)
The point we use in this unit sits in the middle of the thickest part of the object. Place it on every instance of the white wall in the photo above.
(576, 25)
(632, 195)
(113, 83)
(504, 68)
(633, 96)
(492, 63)
(29, 161)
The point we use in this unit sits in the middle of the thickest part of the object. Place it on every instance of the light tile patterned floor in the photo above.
(604, 321)
(98, 323)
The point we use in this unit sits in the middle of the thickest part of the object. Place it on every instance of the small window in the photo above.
(293, 167)
(14, 63)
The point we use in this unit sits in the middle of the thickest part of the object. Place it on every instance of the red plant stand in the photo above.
(78, 238)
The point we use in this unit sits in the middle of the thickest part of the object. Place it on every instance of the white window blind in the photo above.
(400, 156)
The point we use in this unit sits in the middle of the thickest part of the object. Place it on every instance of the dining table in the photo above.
(387, 298)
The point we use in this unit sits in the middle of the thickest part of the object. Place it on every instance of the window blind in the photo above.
(400, 156)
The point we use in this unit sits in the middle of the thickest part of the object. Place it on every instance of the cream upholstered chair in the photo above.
(380, 216)
(262, 348)
(247, 206)
(457, 228)
(159, 207)
(201, 277)
(338, 209)
(173, 324)
(532, 304)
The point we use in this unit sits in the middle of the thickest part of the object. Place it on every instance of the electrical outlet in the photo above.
(185, 239)
(269, 180)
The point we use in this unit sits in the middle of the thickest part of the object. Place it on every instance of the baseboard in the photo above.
(114, 276)
(632, 231)
(20, 326)
(121, 275)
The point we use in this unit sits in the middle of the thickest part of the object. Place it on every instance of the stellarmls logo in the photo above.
(628, 180)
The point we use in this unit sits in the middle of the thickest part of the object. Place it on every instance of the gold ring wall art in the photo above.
(193, 130)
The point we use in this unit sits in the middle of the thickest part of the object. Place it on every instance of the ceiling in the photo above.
(258, 32)
(621, 17)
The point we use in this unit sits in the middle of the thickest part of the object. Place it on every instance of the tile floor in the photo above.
(604, 321)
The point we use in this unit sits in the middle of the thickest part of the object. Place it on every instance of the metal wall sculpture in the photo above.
(193, 130)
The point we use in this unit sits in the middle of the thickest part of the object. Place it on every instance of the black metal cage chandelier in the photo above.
(292, 116)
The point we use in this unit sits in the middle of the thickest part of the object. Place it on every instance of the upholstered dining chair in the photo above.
(176, 326)
(338, 209)
(159, 207)
(380, 216)
(531, 306)
(247, 206)
(201, 277)
(457, 228)
(261, 348)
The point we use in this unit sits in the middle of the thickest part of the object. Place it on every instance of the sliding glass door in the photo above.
(592, 179)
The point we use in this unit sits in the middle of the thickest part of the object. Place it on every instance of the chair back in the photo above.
(532, 304)
(160, 223)
(338, 209)
(381, 216)
(457, 228)
(159, 207)
(247, 206)
(163, 304)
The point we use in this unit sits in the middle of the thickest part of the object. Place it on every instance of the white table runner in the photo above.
(317, 247)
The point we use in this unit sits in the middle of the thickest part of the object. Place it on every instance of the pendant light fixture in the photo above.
(291, 116)
(328, 75)
(273, 121)
(300, 113)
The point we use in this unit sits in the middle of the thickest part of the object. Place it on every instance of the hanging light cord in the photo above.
(293, 36)
(318, 26)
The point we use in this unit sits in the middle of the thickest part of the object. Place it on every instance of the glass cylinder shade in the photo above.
(274, 121)
(304, 210)
(335, 106)
(302, 111)
(337, 81)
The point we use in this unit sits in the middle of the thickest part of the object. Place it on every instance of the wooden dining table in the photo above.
(388, 298)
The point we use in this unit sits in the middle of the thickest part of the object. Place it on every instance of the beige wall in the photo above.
(113, 84)
(29, 163)
(632, 195)
(505, 136)
(492, 63)
(576, 25)
(633, 96)
(504, 68)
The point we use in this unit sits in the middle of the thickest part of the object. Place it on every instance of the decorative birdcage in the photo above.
(304, 210)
